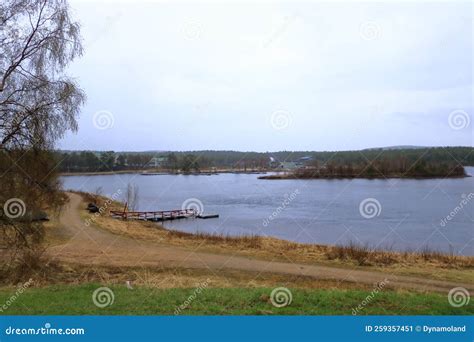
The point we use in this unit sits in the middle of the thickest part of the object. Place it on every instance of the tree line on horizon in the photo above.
(382, 168)
(195, 161)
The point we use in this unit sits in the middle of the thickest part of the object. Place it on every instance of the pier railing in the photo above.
(163, 215)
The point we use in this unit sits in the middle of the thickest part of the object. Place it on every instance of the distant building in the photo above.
(273, 163)
(289, 165)
(305, 159)
(157, 162)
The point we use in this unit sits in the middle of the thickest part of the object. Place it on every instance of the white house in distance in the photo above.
(156, 162)
(289, 165)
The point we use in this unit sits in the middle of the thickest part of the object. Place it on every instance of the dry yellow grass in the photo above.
(75, 274)
(433, 265)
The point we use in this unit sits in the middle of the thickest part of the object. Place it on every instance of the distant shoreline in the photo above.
(293, 176)
(154, 173)
(277, 176)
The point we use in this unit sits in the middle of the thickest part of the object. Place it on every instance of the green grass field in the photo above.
(77, 300)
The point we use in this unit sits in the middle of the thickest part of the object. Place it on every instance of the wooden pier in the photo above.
(159, 216)
(156, 216)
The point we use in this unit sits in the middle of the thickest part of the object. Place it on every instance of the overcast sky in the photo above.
(267, 77)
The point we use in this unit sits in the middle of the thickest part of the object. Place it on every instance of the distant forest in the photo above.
(385, 168)
(93, 161)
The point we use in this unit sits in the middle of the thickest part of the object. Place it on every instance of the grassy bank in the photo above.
(77, 300)
(424, 263)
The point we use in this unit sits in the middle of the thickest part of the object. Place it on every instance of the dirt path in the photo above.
(92, 246)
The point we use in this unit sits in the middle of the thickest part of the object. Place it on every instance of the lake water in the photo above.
(402, 214)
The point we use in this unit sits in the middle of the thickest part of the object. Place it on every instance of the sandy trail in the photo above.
(92, 246)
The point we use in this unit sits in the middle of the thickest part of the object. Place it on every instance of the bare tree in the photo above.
(38, 104)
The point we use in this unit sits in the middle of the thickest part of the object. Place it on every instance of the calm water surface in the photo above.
(313, 211)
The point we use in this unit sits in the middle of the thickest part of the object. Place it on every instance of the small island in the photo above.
(399, 168)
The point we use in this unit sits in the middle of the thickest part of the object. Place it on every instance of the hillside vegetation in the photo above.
(100, 161)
